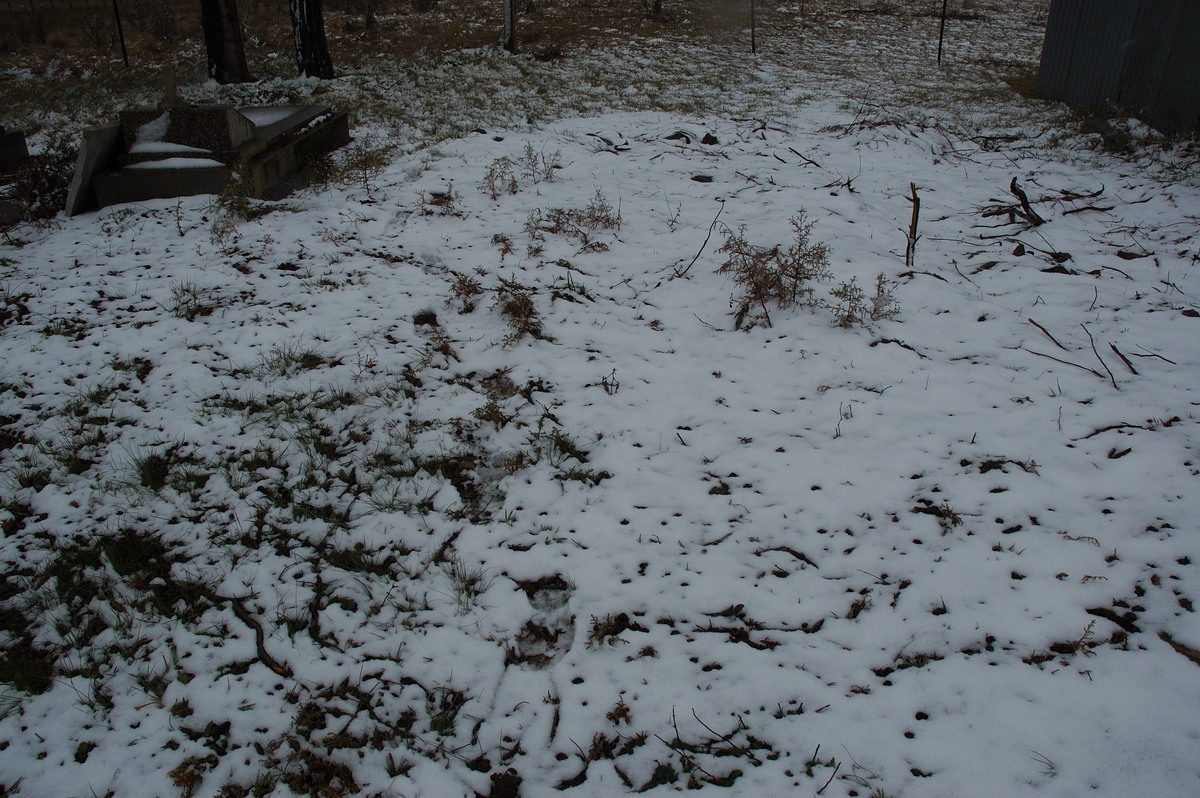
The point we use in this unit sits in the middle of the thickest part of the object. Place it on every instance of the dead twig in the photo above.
(1124, 359)
(1048, 335)
(836, 768)
(1110, 428)
(898, 343)
(1097, 354)
(1152, 354)
(728, 739)
(1118, 271)
(799, 555)
(1066, 362)
(711, 227)
(807, 160)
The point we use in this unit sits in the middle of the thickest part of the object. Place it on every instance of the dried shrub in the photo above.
(515, 303)
(774, 276)
(463, 290)
(853, 306)
(499, 178)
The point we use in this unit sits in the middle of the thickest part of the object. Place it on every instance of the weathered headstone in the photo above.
(97, 152)
(13, 149)
(13, 153)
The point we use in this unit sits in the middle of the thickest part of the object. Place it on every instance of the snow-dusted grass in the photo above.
(432, 482)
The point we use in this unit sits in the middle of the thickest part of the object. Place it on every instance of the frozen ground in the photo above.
(454, 476)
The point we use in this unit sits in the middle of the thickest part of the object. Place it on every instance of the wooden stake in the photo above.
(942, 34)
(753, 29)
(121, 33)
(910, 252)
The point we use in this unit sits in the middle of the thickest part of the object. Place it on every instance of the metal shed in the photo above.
(1142, 56)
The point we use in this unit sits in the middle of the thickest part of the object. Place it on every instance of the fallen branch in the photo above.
(1124, 359)
(1125, 621)
(260, 636)
(807, 160)
(1068, 194)
(898, 343)
(1048, 335)
(245, 617)
(1100, 208)
(931, 274)
(1030, 214)
(1187, 651)
(1066, 363)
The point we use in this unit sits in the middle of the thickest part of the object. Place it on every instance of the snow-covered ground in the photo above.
(456, 478)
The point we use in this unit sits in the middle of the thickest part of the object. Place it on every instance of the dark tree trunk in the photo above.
(312, 52)
(223, 41)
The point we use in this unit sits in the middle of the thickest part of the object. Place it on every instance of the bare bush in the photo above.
(853, 306)
(774, 276)
(515, 302)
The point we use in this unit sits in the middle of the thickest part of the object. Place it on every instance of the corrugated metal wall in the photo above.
(1141, 55)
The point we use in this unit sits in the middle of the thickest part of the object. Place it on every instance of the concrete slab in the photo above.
(138, 184)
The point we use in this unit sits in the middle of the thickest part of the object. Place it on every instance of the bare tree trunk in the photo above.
(223, 41)
(37, 21)
(312, 51)
(509, 40)
(121, 33)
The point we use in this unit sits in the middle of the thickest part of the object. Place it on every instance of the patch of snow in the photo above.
(162, 146)
(176, 163)
(154, 130)
(263, 117)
